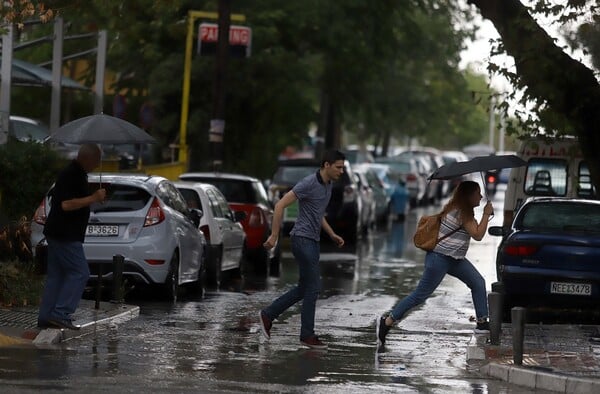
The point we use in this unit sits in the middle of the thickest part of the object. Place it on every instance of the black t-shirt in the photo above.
(68, 225)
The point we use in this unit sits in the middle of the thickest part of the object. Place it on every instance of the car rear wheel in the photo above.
(213, 269)
(171, 285)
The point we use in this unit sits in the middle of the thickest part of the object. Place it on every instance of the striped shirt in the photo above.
(455, 245)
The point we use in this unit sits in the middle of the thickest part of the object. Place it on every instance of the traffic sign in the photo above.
(240, 39)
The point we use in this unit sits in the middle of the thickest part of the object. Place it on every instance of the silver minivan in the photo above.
(146, 220)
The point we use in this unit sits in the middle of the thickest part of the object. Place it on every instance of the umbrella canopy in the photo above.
(477, 164)
(101, 129)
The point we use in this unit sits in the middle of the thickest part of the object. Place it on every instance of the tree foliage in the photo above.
(563, 93)
(379, 70)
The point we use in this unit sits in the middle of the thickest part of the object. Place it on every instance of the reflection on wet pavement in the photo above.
(213, 344)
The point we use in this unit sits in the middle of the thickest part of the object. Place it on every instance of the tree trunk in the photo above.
(550, 75)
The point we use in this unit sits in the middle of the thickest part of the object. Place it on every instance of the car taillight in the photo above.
(256, 218)
(155, 214)
(155, 262)
(206, 231)
(411, 177)
(520, 250)
(349, 193)
(40, 213)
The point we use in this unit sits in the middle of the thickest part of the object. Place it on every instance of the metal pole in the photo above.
(5, 84)
(217, 129)
(518, 317)
(495, 304)
(118, 264)
(100, 67)
(57, 53)
(185, 95)
(98, 287)
(502, 131)
(492, 121)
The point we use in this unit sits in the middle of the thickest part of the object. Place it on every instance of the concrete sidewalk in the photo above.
(561, 358)
(18, 326)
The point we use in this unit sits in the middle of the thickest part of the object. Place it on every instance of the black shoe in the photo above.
(42, 324)
(482, 327)
(382, 330)
(68, 324)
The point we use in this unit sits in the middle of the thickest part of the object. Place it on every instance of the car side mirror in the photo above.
(238, 216)
(195, 216)
(496, 231)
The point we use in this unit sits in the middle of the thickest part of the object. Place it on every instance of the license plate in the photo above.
(291, 212)
(102, 230)
(571, 288)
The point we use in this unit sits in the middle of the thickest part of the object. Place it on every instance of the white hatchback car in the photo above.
(221, 227)
(146, 220)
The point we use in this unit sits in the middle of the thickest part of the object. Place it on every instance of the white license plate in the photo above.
(571, 288)
(102, 230)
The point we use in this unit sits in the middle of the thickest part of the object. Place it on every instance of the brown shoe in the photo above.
(68, 324)
(265, 324)
(313, 342)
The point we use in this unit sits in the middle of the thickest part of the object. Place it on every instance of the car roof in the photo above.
(219, 175)
(539, 200)
(26, 120)
(140, 179)
(194, 185)
(299, 162)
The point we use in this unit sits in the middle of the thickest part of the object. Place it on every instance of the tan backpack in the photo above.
(428, 228)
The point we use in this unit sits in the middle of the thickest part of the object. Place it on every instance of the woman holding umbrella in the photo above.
(458, 226)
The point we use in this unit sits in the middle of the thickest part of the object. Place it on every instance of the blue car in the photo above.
(549, 258)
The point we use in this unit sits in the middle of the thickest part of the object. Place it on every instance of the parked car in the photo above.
(225, 237)
(378, 185)
(549, 256)
(343, 211)
(367, 201)
(147, 221)
(435, 161)
(27, 129)
(455, 157)
(356, 155)
(413, 171)
(247, 194)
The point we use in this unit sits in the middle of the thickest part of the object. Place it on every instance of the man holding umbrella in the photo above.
(65, 229)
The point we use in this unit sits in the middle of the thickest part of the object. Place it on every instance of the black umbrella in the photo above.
(101, 129)
(477, 164)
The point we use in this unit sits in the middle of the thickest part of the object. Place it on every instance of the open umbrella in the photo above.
(101, 129)
(477, 164)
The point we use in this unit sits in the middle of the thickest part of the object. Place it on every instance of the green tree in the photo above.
(565, 92)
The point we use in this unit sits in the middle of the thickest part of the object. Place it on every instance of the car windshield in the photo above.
(234, 190)
(562, 217)
(29, 131)
(120, 198)
(290, 175)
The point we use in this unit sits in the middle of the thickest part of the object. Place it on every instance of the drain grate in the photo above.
(19, 319)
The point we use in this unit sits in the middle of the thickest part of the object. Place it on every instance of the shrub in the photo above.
(20, 285)
(27, 170)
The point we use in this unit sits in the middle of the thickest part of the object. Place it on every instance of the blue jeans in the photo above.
(436, 267)
(67, 275)
(306, 251)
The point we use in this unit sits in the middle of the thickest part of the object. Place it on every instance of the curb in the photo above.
(533, 379)
(52, 336)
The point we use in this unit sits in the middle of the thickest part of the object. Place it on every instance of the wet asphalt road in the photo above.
(214, 345)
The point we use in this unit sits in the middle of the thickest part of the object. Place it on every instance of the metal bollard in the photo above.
(495, 304)
(498, 287)
(518, 318)
(118, 265)
(98, 287)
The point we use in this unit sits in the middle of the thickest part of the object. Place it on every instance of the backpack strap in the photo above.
(447, 235)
